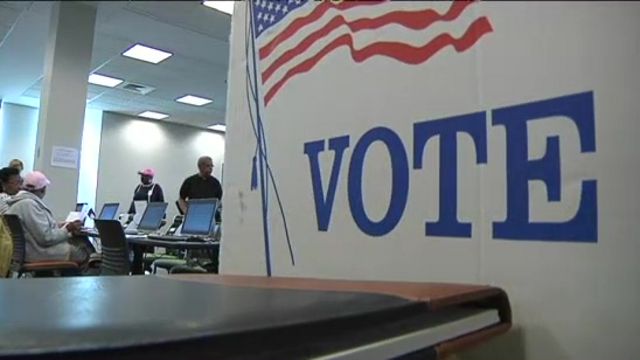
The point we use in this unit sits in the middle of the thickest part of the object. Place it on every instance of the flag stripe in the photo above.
(399, 51)
(416, 20)
(301, 22)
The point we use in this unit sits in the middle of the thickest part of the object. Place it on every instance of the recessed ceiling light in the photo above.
(145, 53)
(102, 80)
(153, 115)
(218, 127)
(194, 100)
(224, 6)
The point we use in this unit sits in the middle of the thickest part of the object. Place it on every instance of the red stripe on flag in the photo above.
(399, 51)
(416, 20)
(299, 23)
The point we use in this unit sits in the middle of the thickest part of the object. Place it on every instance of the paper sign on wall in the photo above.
(64, 157)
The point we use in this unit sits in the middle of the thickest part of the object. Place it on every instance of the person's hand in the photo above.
(74, 226)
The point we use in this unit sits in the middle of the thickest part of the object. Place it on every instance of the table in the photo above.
(139, 242)
(210, 316)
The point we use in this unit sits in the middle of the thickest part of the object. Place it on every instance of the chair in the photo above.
(115, 251)
(166, 264)
(190, 265)
(165, 261)
(187, 269)
(18, 263)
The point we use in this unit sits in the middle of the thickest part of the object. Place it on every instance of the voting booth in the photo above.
(464, 142)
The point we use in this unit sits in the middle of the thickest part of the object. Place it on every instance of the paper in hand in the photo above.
(76, 215)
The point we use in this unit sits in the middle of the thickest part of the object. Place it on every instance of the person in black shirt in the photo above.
(147, 190)
(201, 185)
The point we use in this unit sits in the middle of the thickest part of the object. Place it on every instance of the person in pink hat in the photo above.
(45, 238)
(147, 190)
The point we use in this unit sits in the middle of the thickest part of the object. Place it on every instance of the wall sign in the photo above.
(65, 157)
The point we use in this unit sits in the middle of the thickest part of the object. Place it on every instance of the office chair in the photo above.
(115, 251)
(154, 261)
(20, 266)
(194, 263)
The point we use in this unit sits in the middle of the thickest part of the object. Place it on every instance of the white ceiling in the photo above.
(196, 35)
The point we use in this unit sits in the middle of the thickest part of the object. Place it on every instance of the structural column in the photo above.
(63, 101)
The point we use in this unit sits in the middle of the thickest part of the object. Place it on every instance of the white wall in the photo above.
(89, 157)
(18, 134)
(574, 296)
(129, 145)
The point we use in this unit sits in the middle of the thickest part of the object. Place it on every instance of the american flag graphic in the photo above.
(294, 36)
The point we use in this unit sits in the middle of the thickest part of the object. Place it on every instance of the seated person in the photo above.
(45, 239)
(10, 183)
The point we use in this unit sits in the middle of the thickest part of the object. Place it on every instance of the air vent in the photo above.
(136, 88)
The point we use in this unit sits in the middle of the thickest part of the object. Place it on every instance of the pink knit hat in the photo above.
(148, 172)
(35, 181)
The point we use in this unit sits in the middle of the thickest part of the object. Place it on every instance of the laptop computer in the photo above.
(150, 221)
(80, 206)
(109, 211)
(199, 221)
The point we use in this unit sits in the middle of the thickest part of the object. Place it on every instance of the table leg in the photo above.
(137, 266)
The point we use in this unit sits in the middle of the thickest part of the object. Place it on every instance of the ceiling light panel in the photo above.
(194, 100)
(224, 6)
(153, 115)
(103, 80)
(148, 54)
(218, 127)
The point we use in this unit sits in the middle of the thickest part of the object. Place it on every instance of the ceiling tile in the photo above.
(196, 35)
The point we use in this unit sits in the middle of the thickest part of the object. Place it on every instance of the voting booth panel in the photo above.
(465, 142)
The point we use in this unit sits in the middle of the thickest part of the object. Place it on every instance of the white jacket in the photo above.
(44, 239)
(4, 206)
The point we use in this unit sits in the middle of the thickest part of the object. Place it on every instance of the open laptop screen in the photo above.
(152, 217)
(200, 216)
(109, 211)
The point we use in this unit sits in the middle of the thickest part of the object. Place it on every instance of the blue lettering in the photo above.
(324, 204)
(520, 170)
(400, 181)
(472, 124)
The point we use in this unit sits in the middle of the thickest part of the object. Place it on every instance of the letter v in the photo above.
(324, 204)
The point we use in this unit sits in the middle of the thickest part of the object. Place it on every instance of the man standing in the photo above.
(201, 185)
